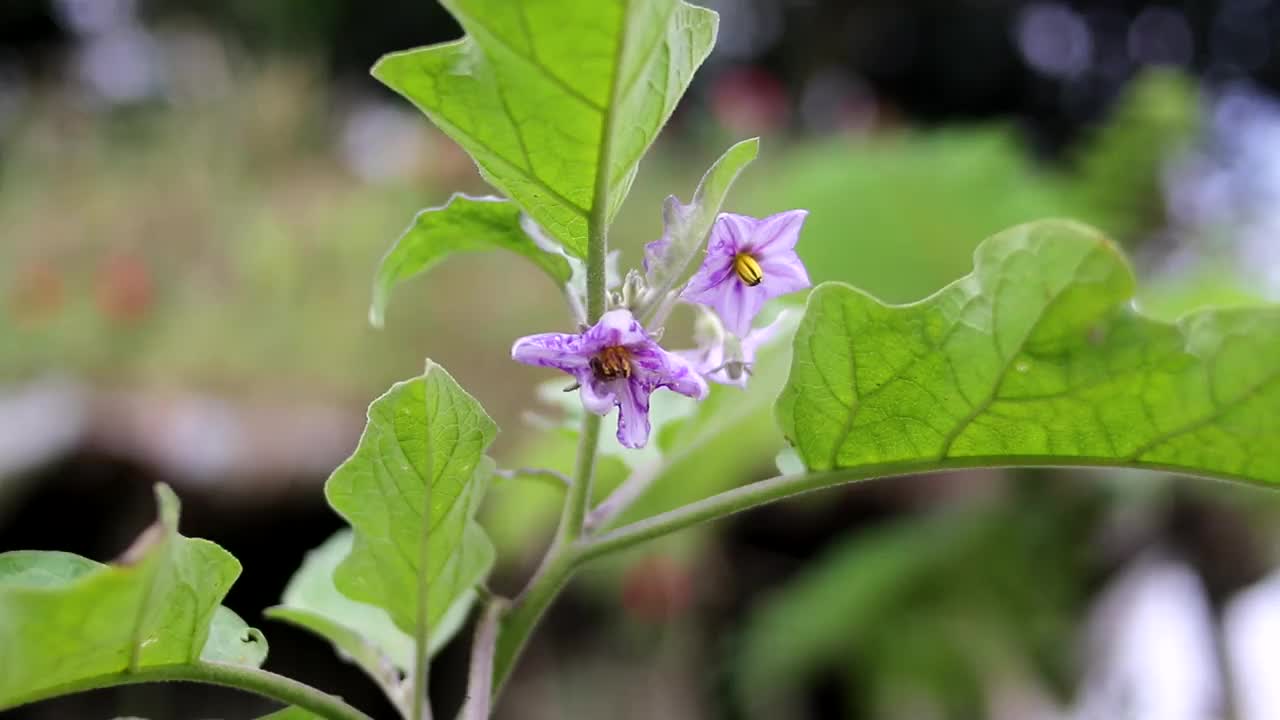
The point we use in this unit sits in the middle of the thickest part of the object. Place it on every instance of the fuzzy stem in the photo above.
(259, 682)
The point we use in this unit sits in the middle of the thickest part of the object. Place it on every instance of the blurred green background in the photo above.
(194, 196)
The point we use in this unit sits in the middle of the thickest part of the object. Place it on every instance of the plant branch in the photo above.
(626, 494)
(518, 624)
(558, 479)
(480, 677)
(259, 682)
(786, 486)
(639, 481)
(579, 494)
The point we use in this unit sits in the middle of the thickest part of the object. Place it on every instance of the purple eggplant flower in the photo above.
(748, 261)
(728, 361)
(615, 363)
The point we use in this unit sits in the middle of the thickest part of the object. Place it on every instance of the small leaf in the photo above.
(65, 618)
(557, 102)
(464, 224)
(670, 261)
(231, 640)
(1036, 358)
(362, 633)
(410, 493)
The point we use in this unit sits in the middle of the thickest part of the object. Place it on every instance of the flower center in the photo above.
(748, 269)
(611, 363)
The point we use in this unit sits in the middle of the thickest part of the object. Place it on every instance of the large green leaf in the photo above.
(1036, 358)
(410, 493)
(64, 618)
(464, 224)
(557, 100)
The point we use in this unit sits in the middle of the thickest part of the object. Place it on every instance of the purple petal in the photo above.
(633, 414)
(783, 274)
(654, 367)
(738, 306)
(616, 328)
(654, 252)
(597, 397)
(716, 268)
(556, 350)
(684, 379)
(760, 336)
(738, 230)
(777, 233)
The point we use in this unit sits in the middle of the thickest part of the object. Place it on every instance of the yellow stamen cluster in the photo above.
(748, 269)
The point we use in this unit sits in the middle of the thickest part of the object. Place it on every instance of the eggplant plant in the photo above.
(1035, 358)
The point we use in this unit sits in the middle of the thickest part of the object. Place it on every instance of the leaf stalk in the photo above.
(253, 680)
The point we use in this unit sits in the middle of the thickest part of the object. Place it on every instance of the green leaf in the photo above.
(231, 640)
(290, 713)
(557, 101)
(1036, 358)
(687, 226)
(410, 493)
(65, 618)
(464, 224)
(362, 633)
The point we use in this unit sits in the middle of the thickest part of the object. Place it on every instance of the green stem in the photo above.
(519, 622)
(557, 566)
(259, 682)
(579, 495)
(480, 675)
(785, 486)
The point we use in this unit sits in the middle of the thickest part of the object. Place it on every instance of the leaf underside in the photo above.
(557, 101)
(464, 224)
(363, 633)
(1038, 358)
(65, 618)
(416, 478)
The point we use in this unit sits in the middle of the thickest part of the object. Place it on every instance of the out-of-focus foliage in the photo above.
(899, 217)
(1115, 183)
(140, 245)
(936, 607)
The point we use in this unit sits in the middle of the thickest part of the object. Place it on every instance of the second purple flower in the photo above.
(748, 261)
